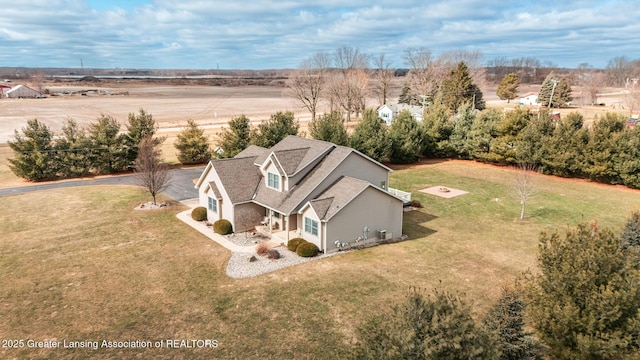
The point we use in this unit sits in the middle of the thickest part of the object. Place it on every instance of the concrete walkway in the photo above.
(185, 216)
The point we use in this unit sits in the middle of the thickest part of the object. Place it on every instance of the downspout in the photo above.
(286, 219)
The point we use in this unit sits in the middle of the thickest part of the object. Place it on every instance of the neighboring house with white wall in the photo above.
(529, 99)
(388, 112)
(307, 188)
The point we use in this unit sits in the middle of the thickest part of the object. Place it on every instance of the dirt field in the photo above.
(172, 105)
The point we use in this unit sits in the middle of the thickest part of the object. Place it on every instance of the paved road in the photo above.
(180, 187)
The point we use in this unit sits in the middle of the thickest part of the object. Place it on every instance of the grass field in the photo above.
(81, 264)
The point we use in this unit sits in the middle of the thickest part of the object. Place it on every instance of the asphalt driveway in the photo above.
(180, 188)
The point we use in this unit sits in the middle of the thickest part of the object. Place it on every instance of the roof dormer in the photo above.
(273, 173)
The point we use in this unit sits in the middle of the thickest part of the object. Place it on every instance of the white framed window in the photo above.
(310, 226)
(273, 181)
(213, 204)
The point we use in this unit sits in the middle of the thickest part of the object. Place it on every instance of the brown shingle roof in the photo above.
(290, 159)
(288, 201)
(239, 177)
(254, 150)
(341, 193)
(291, 142)
(320, 206)
(215, 190)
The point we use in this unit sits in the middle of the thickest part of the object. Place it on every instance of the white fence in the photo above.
(406, 196)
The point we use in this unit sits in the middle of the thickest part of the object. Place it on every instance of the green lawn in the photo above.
(81, 264)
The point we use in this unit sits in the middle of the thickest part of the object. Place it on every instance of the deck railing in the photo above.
(406, 196)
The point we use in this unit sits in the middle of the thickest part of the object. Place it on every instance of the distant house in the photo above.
(632, 121)
(327, 194)
(21, 91)
(388, 112)
(529, 99)
(4, 88)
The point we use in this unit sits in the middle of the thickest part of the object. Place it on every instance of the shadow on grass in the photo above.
(413, 224)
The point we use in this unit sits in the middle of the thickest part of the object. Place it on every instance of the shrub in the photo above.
(292, 245)
(199, 213)
(307, 249)
(273, 254)
(222, 227)
(416, 203)
(262, 249)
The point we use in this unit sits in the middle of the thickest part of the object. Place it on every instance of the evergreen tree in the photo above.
(504, 149)
(459, 139)
(436, 129)
(458, 88)
(627, 164)
(109, 151)
(585, 302)
(631, 233)
(483, 133)
(235, 138)
(531, 139)
(506, 319)
(508, 87)
(559, 88)
(33, 150)
(407, 140)
(192, 145)
(406, 96)
(139, 126)
(329, 127)
(425, 327)
(73, 151)
(604, 149)
(563, 152)
(279, 126)
(370, 136)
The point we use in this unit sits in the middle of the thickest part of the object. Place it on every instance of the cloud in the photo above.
(279, 34)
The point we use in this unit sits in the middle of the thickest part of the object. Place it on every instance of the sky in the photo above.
(263, 34)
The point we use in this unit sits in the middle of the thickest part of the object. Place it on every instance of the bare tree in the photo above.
(632, 99)
(420, 65)
(308, 83)
(151, 173)
(593, 82)
(523, 185)
(348, 89)
(618, 70)
(471, 58)
(383, 76)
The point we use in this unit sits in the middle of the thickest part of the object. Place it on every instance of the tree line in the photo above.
(101, 148)
(584, 303)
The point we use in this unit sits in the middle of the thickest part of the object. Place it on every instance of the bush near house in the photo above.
(262, 249)
(199, 213)
(292, 245)
(307, 249)
(222, 227)
(273, 254)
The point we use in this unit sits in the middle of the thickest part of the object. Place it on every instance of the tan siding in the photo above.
(373, 209)
(357, 167)
(225, 207)
(307, 236)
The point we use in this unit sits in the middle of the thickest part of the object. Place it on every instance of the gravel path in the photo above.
(239, 266)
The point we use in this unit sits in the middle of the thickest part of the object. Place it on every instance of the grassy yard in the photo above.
(81, 264)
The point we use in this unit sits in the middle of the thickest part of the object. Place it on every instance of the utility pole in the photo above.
(555, 82)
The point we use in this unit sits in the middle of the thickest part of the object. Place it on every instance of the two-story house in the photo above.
(305, 188)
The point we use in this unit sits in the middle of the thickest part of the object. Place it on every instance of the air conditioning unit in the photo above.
(382, 234)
